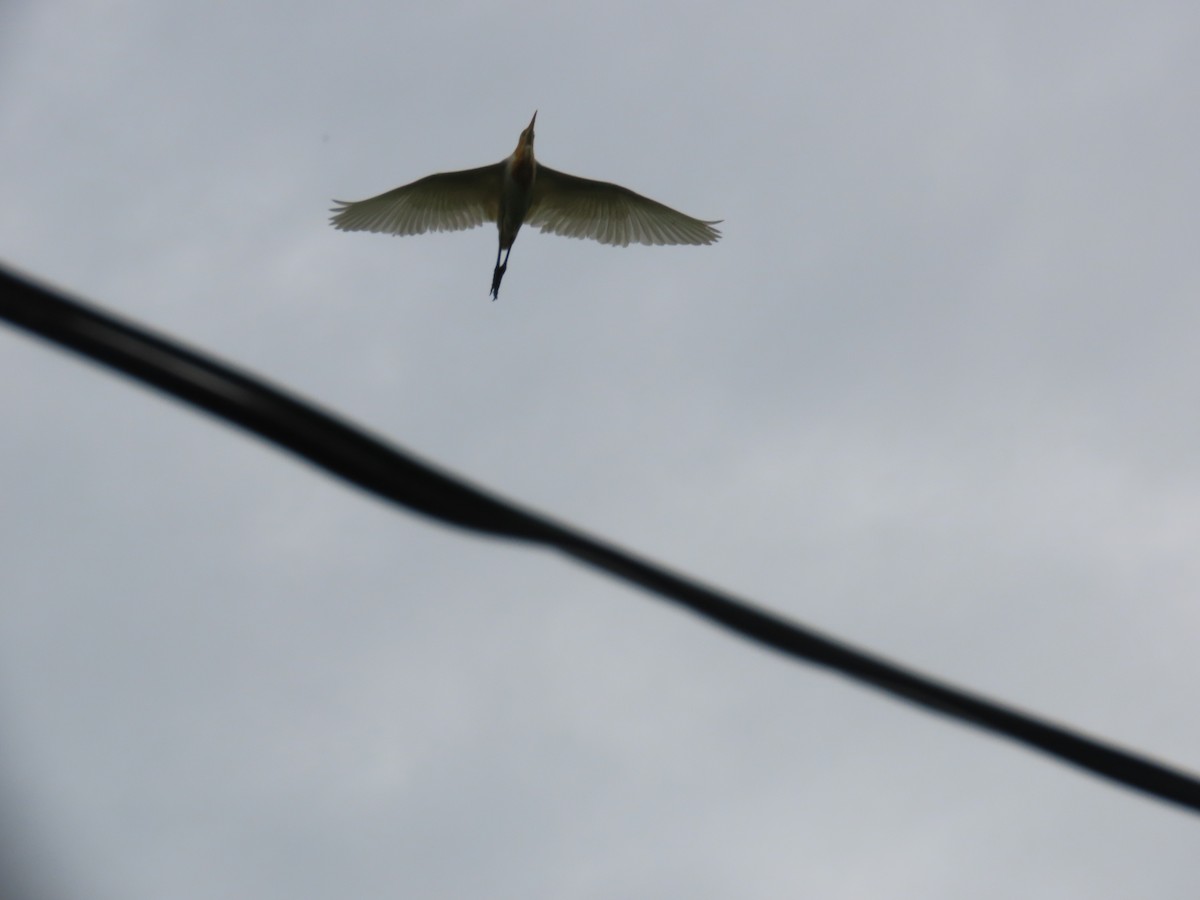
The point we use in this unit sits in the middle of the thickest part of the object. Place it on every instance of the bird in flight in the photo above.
(520, 190)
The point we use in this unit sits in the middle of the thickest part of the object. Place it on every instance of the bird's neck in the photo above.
(522, 166)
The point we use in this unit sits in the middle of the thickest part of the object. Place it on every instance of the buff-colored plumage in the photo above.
(517, 191)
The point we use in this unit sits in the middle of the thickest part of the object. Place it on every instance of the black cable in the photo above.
(374, 466)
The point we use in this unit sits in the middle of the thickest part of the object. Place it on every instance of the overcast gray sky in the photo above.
(936, 392)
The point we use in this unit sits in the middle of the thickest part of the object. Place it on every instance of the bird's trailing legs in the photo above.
(499, 271)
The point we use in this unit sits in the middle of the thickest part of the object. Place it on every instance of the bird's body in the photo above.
(516, 191)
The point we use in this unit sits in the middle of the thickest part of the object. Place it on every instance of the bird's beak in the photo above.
(527, 134)
(525, 144)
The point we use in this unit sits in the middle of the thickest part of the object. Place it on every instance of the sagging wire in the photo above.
(355, 456)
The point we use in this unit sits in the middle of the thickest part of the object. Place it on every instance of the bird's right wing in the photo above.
(448, 201)
(582, 208)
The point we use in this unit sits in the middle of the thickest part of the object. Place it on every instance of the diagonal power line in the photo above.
(355, 456)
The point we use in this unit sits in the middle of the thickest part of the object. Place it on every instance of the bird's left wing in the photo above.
(608, 213)
(448, 201)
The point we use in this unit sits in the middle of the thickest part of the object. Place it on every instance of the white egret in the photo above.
(520, 190)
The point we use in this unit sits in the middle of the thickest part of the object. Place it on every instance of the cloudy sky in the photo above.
(935, 392)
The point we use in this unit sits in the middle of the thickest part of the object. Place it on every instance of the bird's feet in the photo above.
(496, 276)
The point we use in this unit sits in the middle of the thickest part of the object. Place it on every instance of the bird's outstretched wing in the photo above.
(608, 213)
(448, 201)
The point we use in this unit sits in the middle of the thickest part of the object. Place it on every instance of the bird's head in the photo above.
(527, 135)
